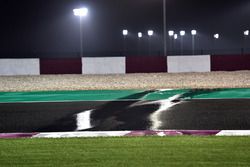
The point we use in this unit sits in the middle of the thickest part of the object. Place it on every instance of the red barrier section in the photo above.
(146, 64)
(61, 66)
(230, 62)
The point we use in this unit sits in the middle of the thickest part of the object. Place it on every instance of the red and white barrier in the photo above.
(122, 65)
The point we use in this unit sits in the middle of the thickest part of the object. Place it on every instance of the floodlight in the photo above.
(193, 32)
(81, 12)
(182, 33)
(125, 32)
(216, 36)
(150, 32)
(175, 36)
(246, 33)
(171, 33)
(139, 34)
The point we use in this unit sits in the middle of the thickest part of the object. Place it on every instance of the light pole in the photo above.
(139, 43)
(216, 37)
(193, 33)
(81, 12)
(150, 34)
(165, 27)
(182, 34)
(175, 39)
(246, 34)
(171, 34)
(124, 33)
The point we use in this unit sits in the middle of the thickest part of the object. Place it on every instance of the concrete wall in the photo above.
(103, 65)
(146, 64)
(61, 66)
(19, 67)
(230, 62)
(178, 64)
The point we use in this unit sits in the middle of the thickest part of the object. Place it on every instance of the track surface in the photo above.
(193, 114)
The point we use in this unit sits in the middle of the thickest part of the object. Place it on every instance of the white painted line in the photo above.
(234, 133)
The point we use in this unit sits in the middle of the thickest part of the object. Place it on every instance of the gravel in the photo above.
(238, 79)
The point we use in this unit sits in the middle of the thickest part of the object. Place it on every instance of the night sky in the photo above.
(48, 27)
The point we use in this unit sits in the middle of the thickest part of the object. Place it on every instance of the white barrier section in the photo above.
(103, 65)
(19, 67)
(200, 63)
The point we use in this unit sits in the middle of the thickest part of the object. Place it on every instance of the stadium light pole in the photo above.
(165, 27)
(175, 39)
(139, 35)
(182, 34)
(150, 34)
(81, 12)
(246, 34)
(216, 37)
(124, 33)
(193, 33)
(171, 35)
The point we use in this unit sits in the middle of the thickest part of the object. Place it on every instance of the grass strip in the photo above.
(127, 151)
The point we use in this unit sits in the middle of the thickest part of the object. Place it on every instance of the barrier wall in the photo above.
(146, 64)
(230, 62)
(19, 67)
(103, 65)
(61, 66)
(121, 65)
(178, 64)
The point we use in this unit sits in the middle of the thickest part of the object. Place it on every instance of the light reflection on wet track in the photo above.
(207, 114)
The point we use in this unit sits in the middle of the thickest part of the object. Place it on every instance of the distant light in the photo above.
(216, 36)
(182, 33)
(246, 33)
(171, 33)
(193, 32)
(150, 32)
(81, 12)
(139, 34)
(125, 32)
(175, 36)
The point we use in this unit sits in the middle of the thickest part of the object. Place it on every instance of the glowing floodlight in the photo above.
(125, 32)
(182, 33)
(246, 33)
(216, 36)
(139, 34)
(81, 12)
(171, 33)
(175, 36)
(150, 32)
(193, 32)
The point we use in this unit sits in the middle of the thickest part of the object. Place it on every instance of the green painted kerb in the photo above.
(109, 95)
